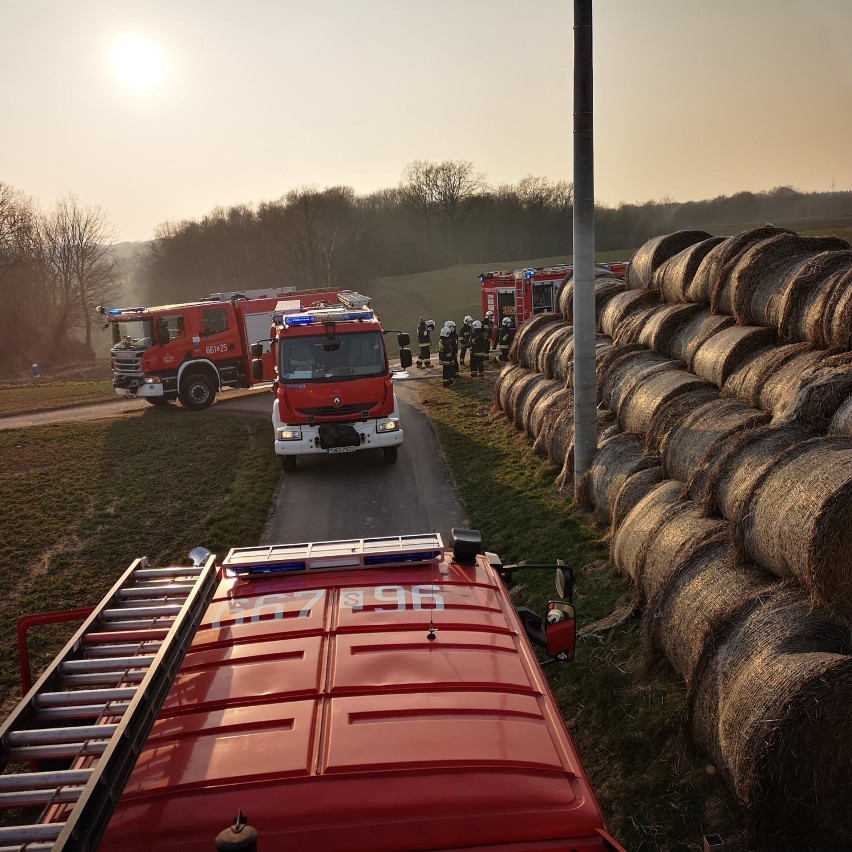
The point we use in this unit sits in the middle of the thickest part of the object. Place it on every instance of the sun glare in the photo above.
(138, 64)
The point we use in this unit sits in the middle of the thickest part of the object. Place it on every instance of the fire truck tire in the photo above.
(197, 392)
(390, 454)
(288, 463)
(157, 400)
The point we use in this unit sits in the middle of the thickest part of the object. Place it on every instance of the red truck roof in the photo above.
(391, 708)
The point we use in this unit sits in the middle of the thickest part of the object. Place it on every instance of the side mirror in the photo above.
(405, 358)
(256, 350)
(257, 367)
(403, 339)
(560, 630)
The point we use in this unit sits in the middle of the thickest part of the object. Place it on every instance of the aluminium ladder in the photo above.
(93, 708)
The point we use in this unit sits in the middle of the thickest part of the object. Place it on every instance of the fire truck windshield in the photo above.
(131, 334)
(319, 358)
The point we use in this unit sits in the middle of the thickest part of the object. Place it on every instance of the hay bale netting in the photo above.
(841, 423)
(823, 389)
(629, 330)
(691, 336)
(557, 429)
(544, 412)
(697, 439)
(607, 428)
(606, 286)
(654, 253)
(621, 305)
(635, 488)
(798, 518)
(638, 528)
(673, 277)
(805, 305)
(522, 351)
(663, 326)
(669, 413)
(620, 374)
(746, 382)
(782, 385)
(837, 319)
(558, 337)
(755, 289)
(698, 585)
(617, 459)
(718, 357)
(636, 409)
(770, 703)
(530, 414)
(505, 381)
(562, 361)
(516, 395)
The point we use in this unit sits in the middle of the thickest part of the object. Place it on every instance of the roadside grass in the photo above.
(57, 388)
(624, 714)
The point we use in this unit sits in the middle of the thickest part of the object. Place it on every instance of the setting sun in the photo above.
(138, 63)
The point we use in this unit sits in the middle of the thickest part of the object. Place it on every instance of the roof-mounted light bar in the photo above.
(323, 315)
(114, 312)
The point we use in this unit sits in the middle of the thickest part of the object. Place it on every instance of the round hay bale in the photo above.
(755, 289)
(796, 522)
(558, 339)
(517, 394)
(746, 382)
(724, 485)
(546, 411)
(654, 253)
(841, 423)
(808, 294)
(668, 414)
(525, 338)
(606, 358)
(698, 437)
(618, 458)
(695, 332)
(837, 318)
(557, 432)
(536, 401)
(637, 407)
(606, 286)
(712, 274)
(638, 528)
(605, 421)
(526, 400)
(621, 305)
(770, 703)
(823, 389)
(504, 382)
(718, 357)
(780, 387)
(674, 276)
(635, 488)
(698, 586)
(623, 373)
(663, 325)
(630, 328)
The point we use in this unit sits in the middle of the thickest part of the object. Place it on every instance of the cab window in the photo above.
(213, 321)
(170, 328)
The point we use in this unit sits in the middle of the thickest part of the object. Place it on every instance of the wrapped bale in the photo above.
(770, 703)
(718, 357)
(841, 423)
(663, 325)
(624, 373)
(605, 360)
(558, 338)
(557, 429)
(606, 286)
(634, 489)
(755, 290)
(635, 409)
(523, 349)
(606, 428)
(780, 388)
(746, 382)
(505, 380)
(540, 394)
(668, 414)
(518, 392)
(543, 414)
(697, 438)
(691, 336)
(654, 253)
(837, 318)
(674, 276)
(621, 305)
(562, 363)
(630, 328)
(796, 522)
(821, 392)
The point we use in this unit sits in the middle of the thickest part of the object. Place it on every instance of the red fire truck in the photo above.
(524, 292)
(372, 695)
(333, 388)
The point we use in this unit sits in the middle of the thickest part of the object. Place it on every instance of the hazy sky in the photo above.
(160, 110)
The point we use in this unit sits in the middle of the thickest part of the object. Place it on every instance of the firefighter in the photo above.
(504, 338)
(454, 341)
(445, 357)
(424, 340)
(478, 350)
(465, 336)
(488, 325)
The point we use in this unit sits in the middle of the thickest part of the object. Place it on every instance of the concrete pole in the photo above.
(585, 393)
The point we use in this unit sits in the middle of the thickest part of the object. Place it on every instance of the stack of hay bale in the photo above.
(724, 378)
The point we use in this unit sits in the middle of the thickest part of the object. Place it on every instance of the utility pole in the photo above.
(585, 389)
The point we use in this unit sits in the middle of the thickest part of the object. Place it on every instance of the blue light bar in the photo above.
(358, 315)
(395, 558)
(300, 319)
(114, 312)
(272, 568)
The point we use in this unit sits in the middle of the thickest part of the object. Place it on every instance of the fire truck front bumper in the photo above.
(138, 387)
(333, 438)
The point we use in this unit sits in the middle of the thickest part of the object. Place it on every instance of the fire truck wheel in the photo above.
(390, 455)
(288, 463)
(197, 392)
(157, 400)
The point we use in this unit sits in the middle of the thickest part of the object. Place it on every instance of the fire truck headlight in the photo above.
(288, 433)
(387, 426)
(152, 380)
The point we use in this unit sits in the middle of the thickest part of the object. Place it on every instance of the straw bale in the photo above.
(809, 293)
(841, 423)
(755, 289)
(519, 353)
(782, 385)
(618, 458)
(797, 520)
(837, 318)
(822, 390)
(716, 359)
(712, 275)
(747, 381)
(506, 378)
(663, 326)
(558, 337)
(691, 336)
(634, 489)
(630, 328)
(667, 415)
(650, 256)
(541, 387)
(674, 276)
(517, 394)
(607, 358)
(529, 354)
(770, 703)
(698, 585)
(621, 305)
(565, 478)
(724, 485)
(636, 409)
(557, 432)
(546, 414)
(637, 529)
(606, 286)
(625, 372)
(700, 435)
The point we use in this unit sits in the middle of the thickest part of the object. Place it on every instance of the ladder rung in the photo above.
(83, 696)
(174, 571)
(155, 590)
(41, 736)
(137, 612)
(82, 711)
(18, 835)
(106, 652)
(105, 637)
(104, 665)
(102, 679)
(58, 751)
(44, 780)
(153, 624)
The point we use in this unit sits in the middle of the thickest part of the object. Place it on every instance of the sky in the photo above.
(162, 110)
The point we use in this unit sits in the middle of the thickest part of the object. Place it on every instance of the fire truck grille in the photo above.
(340, 411)
(127, 364)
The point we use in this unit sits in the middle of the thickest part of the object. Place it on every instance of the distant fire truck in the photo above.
(368, 695)
(522, 293)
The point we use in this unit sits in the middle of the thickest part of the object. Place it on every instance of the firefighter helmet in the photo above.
(445, 332)
(489, 314)
(468, 319)
(507, 320)
(450, 324)
(430, 324)
(477, 324)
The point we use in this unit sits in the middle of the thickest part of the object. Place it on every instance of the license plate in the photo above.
(341, 449)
